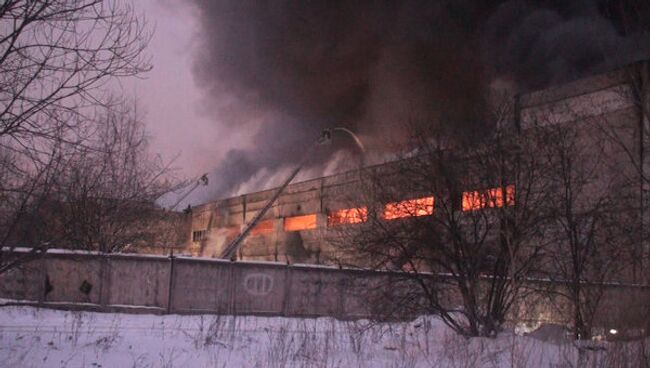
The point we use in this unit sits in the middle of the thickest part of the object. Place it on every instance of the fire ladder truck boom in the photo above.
(232, 248)
(325, 138)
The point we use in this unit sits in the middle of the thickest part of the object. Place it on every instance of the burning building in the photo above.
(300, 224)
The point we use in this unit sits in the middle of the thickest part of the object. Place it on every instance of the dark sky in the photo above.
(284, 70)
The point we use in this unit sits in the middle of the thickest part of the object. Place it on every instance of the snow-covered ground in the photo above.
(32, 337)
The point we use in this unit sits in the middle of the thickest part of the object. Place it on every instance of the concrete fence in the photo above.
(157, 284)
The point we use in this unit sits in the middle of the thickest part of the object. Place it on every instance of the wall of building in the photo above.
(591, 103)
(221, 221)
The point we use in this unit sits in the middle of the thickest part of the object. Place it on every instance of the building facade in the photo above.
(300, 223)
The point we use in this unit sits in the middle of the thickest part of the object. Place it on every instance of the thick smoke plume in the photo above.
(284, 70)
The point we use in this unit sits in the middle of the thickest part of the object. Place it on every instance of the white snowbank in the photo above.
(32, 337)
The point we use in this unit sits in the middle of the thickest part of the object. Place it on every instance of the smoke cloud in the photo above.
(285, 70)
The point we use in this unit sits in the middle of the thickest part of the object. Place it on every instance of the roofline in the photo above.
(529, 99)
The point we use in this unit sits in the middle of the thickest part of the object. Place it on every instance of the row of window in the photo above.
(471, 201)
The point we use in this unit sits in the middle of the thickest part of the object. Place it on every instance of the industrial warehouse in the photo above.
(300, 223)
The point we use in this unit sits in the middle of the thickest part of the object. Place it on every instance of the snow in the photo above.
(36, 337)
(50, 250)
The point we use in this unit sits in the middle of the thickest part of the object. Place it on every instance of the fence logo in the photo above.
(258, 283)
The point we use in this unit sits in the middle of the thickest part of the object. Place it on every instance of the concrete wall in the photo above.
(135, 281)
(189, 285)
(154, 284)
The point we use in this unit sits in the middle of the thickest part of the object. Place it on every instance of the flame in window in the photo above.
(493, 197)
(409, 208)
(297, 223)
(263, 227)
(347, 216)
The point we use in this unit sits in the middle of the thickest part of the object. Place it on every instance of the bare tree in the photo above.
(476, 225)
(56, 58)
(25, 198)
(629, 130)
(462, 224)
(593, 216)
(107, 192)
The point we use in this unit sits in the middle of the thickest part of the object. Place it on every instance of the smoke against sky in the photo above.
(541, 45)
(276, 73)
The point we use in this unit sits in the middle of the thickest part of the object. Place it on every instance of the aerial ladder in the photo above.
(324, 138)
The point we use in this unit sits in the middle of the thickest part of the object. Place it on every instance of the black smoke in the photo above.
(287, 69)
(538, 45)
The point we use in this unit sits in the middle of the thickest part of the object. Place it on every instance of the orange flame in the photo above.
(493, 197)
(263, 227)
(297, 223)
(409, 208)
(347, 216)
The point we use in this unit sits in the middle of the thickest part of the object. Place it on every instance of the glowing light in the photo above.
(493, 197)
(263, 227)
(297, 223)
(347, 216)
(613, 331)
(409, 208)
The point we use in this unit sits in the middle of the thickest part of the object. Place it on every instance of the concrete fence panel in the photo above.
(23, 283)
(315, 292)
(259, 288)
(137, 281)
(72, 278)
(201, 286)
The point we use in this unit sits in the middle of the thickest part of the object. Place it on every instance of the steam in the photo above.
(285, 70)
(267, 178)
